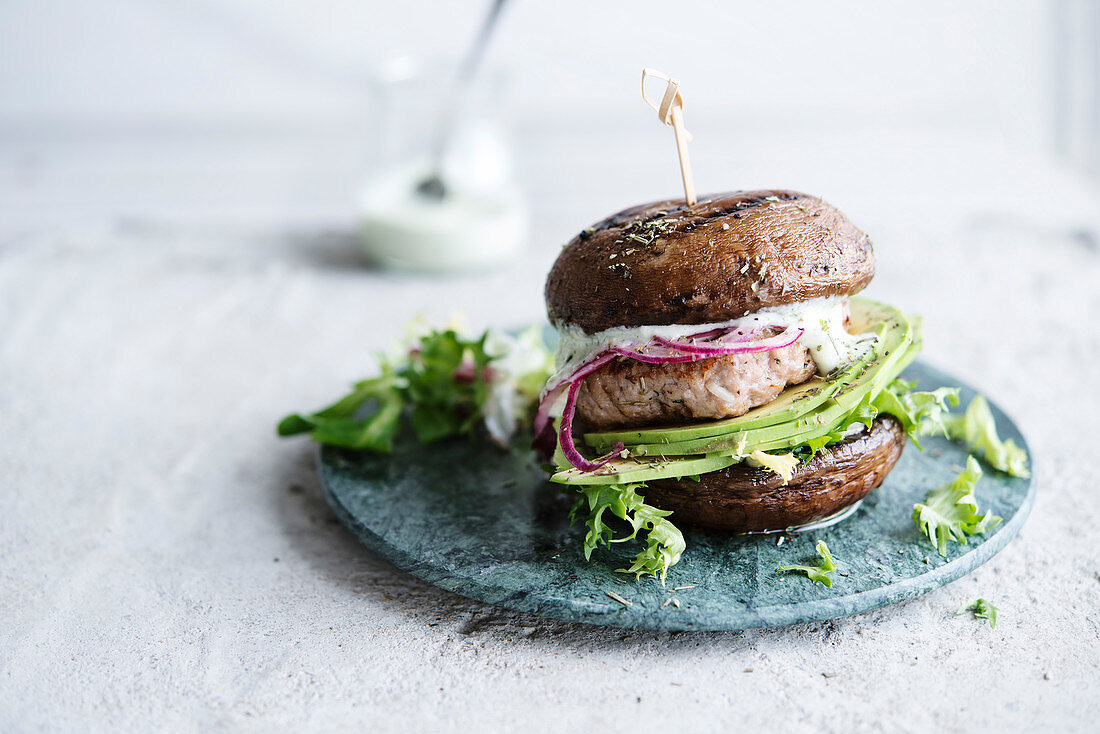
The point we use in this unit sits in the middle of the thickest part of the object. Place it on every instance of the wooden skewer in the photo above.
(670, 111)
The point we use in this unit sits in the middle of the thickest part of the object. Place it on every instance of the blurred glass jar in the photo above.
(481, 220)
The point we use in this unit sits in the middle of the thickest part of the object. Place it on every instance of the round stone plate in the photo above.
(484, 522)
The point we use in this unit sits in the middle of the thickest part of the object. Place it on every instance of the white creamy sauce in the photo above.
(470, 227)
(821, 319)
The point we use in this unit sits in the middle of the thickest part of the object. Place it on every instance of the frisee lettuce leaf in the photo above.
(864, 414)
(664, 541)
(950, 512)
(977, 429)
(815, 446)
(820, 572)
(982, 609)
(920, 413)
(444, 383)
(521, 364)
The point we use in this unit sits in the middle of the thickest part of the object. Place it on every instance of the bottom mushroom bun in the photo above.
(714, 357)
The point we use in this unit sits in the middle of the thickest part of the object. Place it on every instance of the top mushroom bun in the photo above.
(729, 255)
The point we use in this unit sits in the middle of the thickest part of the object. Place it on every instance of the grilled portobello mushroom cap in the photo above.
(729, 255)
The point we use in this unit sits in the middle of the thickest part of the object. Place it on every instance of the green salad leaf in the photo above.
(820, 572)
(337, 425)
(864, 414)
(978, 431)
(446, 383)
(920, 413)
(814, 446)
(982, 609)
(664, 541)
(951, 512)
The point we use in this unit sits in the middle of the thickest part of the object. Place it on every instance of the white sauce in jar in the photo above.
(469, 227)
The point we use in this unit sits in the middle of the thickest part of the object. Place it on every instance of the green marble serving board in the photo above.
(484, 522)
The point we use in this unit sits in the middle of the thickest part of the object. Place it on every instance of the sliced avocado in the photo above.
(894, 360)
(838, 412)
(916, 344)
(865, 314)
(742, 443)
(790, 403)
(890, 349)
(644, 470)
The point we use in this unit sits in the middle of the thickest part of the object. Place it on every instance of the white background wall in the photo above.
(258, 112)
(804, 63)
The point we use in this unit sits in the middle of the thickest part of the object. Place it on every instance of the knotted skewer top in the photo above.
(670, 112)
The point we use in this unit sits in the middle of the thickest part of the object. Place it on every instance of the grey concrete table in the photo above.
(166, 563)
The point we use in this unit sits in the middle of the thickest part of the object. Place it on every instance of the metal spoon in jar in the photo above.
(432, 186)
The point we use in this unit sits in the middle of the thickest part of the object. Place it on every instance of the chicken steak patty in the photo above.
(628, 393)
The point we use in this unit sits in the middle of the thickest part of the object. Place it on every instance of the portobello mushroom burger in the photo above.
(714, 369)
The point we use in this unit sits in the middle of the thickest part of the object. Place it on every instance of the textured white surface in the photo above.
(166, 563)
